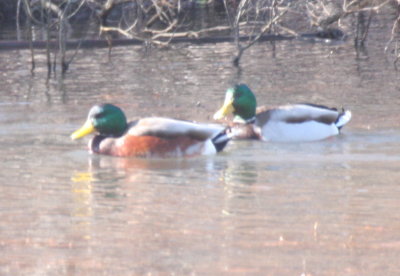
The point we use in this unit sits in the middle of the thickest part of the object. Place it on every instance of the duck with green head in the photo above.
(148, 137)
(286, 123)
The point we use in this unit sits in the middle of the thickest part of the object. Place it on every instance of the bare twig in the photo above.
(347, 6)
(18, 19)
(131, 36)
(262, 31)
(30, 34)
(395, 27)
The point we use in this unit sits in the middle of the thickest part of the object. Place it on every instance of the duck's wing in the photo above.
(297, 114)
(170, 128)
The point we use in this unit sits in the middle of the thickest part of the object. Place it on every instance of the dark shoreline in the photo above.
(103, 43)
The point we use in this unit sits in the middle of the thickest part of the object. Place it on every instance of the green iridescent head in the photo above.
(239, 101)
(106, 119)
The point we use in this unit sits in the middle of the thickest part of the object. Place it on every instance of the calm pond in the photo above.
(321, 208)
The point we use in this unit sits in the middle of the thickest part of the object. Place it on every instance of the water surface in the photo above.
(323, 208)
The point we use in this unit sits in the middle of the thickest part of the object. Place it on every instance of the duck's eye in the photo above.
(98, 115)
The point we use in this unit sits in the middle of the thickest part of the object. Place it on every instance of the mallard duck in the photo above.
(148, 137)
(287, 123)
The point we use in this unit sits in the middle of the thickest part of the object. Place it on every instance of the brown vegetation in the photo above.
(160, 22)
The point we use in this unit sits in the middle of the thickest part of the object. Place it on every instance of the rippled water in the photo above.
(323, 208)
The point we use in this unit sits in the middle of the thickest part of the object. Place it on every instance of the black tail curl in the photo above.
(221, 140)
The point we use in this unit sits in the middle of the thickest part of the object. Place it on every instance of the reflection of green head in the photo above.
(240, 101)
(107, 119)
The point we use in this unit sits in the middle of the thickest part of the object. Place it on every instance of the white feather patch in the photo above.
(344, 118)
(277, 131)
(209, 148)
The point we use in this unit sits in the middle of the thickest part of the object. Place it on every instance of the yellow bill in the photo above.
(86, 129)
(226, 109)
